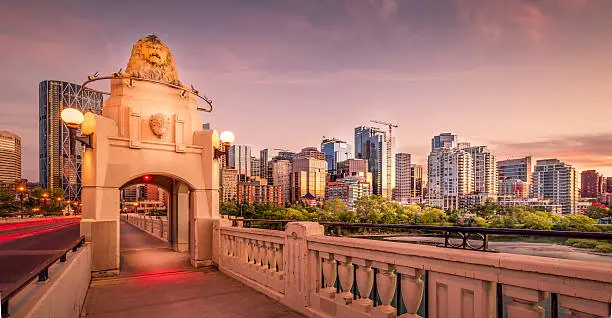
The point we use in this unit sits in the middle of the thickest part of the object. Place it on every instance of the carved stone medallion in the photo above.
(159, 124)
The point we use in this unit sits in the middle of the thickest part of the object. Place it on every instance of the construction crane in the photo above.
(388, 139)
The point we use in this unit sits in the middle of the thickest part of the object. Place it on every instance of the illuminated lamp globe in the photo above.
(227, 138)
(72, 117)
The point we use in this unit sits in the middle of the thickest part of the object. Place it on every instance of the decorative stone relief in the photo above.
(159, 124)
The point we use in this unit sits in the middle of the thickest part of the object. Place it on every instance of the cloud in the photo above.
(589, 151)
(503, 19)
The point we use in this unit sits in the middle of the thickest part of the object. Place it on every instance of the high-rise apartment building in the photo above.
(10, 157)
(444, 140)
(449, 176)
(255, 190)
(309, 173)
(239, 158)
(484, 170)
(371, 144)
(403, 184)
(591, 184)
(229, 185)
(335, 151)
(280, 175)
(609, 184)
(556, 181)
(58, 168)
(348, 190)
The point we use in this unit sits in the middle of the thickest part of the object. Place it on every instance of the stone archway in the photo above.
(179, 208)
(147, 127)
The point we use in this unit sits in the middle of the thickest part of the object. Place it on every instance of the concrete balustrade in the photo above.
(254, 254)
(157, 226)
(324, 276)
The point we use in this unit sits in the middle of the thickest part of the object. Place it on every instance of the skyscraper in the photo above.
(450, 176)
(591, 184)
(10, 157)
(239, 158)
(335, 151)
(58, 168)
(556, 181)
(401, 193)
(484, 169)
(370, 144)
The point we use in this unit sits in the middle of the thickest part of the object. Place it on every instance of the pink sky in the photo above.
(525, 77)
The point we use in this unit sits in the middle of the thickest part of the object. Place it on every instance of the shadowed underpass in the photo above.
(158, 282)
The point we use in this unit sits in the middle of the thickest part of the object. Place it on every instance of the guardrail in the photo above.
(41, 272)
(462, 237)
(339, 276)
(154, 225)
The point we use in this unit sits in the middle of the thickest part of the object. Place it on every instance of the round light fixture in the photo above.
(72, 117)
(227, 138)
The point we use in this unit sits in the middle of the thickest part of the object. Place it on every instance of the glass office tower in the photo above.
(58, 168)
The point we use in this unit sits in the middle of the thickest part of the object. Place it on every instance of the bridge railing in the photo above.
(39, 274)
(350, 277)
(157, 226)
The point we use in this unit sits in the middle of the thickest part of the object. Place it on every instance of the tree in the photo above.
(581, 223)
(537, 221)
(486, 210)
(338, 211)
(432, 216)
(596, 212)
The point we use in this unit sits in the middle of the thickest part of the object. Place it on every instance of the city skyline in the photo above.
(455, 66)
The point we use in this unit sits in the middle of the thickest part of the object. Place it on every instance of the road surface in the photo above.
(25, 245)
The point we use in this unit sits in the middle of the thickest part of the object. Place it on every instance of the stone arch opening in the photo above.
(178, 206)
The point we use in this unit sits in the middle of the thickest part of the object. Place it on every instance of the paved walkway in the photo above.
(158, 282)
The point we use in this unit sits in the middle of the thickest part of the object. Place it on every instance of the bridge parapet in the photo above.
(325, 276)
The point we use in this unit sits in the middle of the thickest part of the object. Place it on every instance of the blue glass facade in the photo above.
(370, 145)
(335, 151)
(58, 168)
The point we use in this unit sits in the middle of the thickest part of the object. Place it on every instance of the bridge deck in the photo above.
(158, 282)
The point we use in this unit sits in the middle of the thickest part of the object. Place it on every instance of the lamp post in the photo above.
(21, 189)
(45, 196)
(73, 118)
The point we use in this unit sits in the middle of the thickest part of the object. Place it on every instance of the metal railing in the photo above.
(41, 272)
(462, 237)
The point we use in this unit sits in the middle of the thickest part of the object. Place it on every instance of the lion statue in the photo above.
(151, 59)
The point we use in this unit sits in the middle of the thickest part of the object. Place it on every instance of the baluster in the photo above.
(244, 243)
(250, 256)
(255, 246)
(412, 290)
(227, 245)
(365, 282)
(386, 282)
(264, 256)
(329, 275)
(279, 257)
(345, 275)
(271, 257)
(524, 302)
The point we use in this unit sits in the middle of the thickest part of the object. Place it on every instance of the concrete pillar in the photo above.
(100, 225)
(180, 205)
